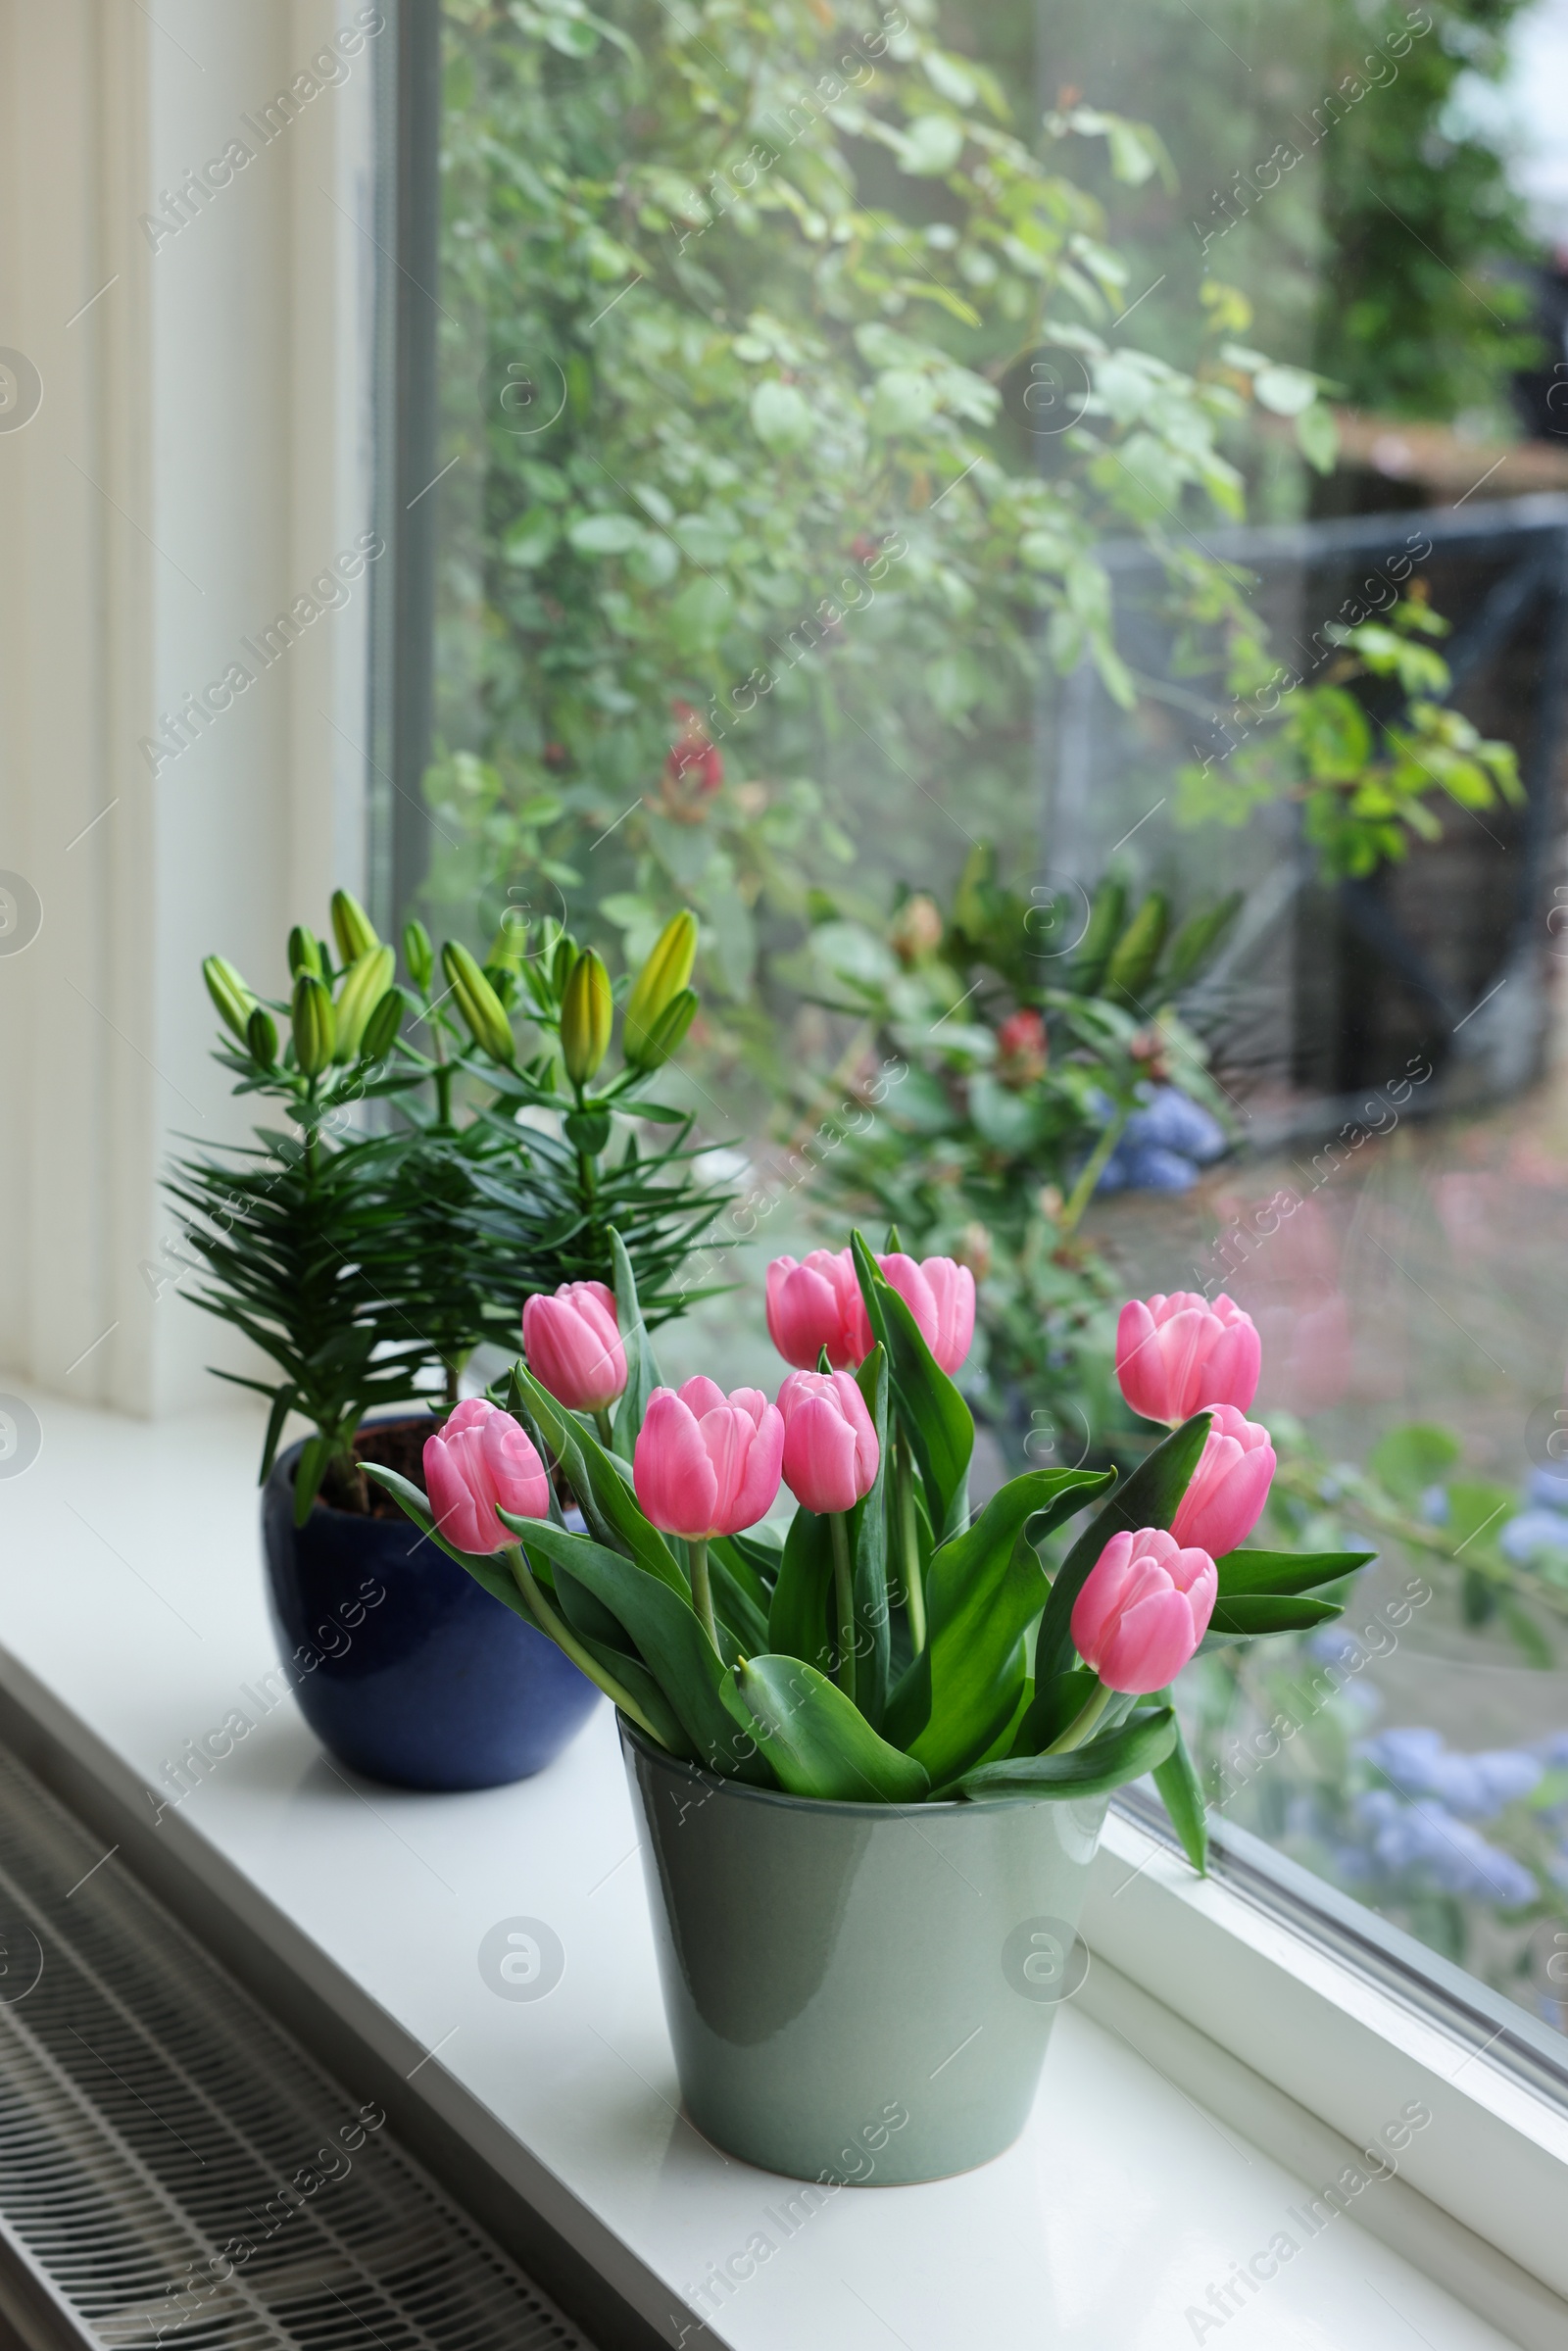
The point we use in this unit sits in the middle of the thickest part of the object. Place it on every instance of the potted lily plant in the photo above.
(368, 1265)
(873, 1758)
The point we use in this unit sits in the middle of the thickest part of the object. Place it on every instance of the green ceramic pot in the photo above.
(858, 1992)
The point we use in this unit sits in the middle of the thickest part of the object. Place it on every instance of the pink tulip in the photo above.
(480, 1460)
(830, 1448)
(1176, 1353)
(1143, 1609)
(573, 1342)
(940, 1294)
(706, 1463)
(1225, 1496)
(815, 1304)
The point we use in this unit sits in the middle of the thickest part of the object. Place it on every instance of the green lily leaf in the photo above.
(642, 1370)
(282, 1405)
(985, 1588)
(930, 1410)
(1109, 1761)
(818, 1741)
(309, 1471)
(1270, 1612)
(798, 1619)
(669, 1639)
(1255, 1572)
(1182, 1795)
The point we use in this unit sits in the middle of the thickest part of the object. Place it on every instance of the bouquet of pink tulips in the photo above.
(893, 1648)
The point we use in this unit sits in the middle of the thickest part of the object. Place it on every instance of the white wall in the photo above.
(201, 452)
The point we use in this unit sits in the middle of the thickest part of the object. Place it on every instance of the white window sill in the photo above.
(1157, 2161)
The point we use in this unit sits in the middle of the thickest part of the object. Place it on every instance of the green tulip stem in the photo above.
(702, 1590)
(1079, 1730)
(601, 1424)
(549, 1622)
(844, 1597)
(910, 1538)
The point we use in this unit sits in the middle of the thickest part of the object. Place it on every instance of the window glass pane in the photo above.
(1047, 528)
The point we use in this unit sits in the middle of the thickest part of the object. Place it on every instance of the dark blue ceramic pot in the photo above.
(405, 1668)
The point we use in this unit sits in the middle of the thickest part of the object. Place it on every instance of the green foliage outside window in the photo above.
(1318, 160)
(760, 545)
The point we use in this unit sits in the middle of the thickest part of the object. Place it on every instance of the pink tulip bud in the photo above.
(573, 1342)
(1143, 1609)
(940, 1294)
(706, 1463)
(830, 1448)
(816, 1304)
(478, 1460)
(1226, 1492)
(1177, 1354)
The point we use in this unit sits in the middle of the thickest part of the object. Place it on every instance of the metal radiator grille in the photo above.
(165, 2147)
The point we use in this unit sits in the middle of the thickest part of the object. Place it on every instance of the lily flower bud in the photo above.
(670, 1030)
(304, 951)
(228, 992)
(381, 1029)
(587, 1010)
(419, 956)
(261, 1035)
(665, 975)
(352, 928)
(361, 992)
(481, 1009)
(314, 1025)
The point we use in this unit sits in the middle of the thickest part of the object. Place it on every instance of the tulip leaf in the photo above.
(638, 1682)
(588, 1617)
(1053, 1709)
(1148, 1498)
(909, 1707)
(762, 1553)
(869, 1555)
(798, 1618)
(930, 1410)
(1270, 1612)
(985, 1588)
(599, 1481)
(670, 1640)
(642, 1370)
(736, 1606)
(818, 1741)
(1109, 1761)
(740, 1558)
(489, 1569)
(1286, 1571)
(1182, 1795)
